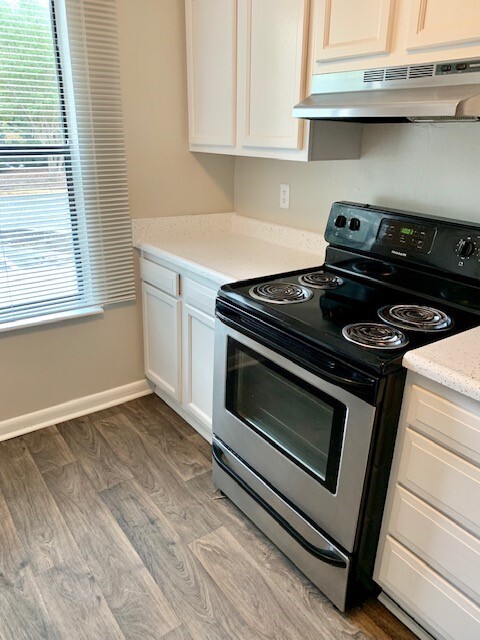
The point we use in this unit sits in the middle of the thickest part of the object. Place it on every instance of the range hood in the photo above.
(444, 91)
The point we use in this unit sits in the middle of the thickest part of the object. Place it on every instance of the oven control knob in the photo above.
(354, 224)
(466, 248)
(340, 221)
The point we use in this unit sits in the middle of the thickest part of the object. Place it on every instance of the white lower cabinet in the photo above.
(198, 339)
(179, 339)
(428, 562)
(161, 330)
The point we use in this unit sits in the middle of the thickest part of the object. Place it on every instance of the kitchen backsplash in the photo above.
(432, 168)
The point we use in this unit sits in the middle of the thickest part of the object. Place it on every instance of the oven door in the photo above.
(308, 439)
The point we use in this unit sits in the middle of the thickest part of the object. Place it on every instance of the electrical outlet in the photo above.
(284, 196)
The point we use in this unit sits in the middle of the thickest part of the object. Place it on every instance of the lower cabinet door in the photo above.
(161, 332)
(198, 340)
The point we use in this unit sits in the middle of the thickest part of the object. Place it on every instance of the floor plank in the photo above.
(37, 519)
(139, 606)
(193, 595)
(378, 622)
(191, 519)
(180, 633)
(99, 462)
(181, 453)
(23, 614)
(203, 445)
(151, 409)
(48, 449)
(75, 603)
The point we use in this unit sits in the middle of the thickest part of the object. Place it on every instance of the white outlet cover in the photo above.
(284, 196)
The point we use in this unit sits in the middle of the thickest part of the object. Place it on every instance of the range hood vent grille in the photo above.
(399, 73)
(374, 75)
(396, 73)
(421, 71)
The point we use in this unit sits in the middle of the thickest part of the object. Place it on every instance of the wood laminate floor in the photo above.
(110, 528)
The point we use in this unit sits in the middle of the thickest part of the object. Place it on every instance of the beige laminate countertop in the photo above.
(228, 247)
(453, 362)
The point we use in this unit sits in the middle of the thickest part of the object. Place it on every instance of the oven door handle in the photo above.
(325, 373)
(326, 555)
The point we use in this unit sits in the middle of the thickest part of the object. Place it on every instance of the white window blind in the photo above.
(65, 232)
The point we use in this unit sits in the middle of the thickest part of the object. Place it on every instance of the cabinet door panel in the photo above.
(161, 333)
(442, 479)
(211, 67)
(439, 541)
(427, 595)
(348, 29)
(273, 42)
(437, 23)
(198, 336)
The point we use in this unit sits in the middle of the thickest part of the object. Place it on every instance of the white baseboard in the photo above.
(73, 409)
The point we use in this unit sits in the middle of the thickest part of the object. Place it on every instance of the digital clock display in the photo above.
(406, 231)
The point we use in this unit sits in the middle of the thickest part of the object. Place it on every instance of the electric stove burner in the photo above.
(320, 280)
(374, 335)
(415, 317)
(280, 293)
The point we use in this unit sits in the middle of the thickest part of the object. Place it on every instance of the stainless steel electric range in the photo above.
(309, 382)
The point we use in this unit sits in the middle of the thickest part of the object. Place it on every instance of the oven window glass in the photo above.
(304, 423)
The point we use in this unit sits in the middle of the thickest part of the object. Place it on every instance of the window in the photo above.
(65, 242)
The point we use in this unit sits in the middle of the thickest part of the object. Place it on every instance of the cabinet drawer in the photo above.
(199, 296)
(448, 548)
(456, 427)
(165, 279)
(426, 595)
(441, 478)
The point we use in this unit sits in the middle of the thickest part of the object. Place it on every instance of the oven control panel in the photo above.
(446, 244)
(406, 235)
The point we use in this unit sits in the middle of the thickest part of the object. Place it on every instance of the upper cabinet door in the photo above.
(439, 23)
(346, 29)
(211, 64)
(272, 54)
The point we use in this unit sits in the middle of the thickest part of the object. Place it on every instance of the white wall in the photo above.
(433, 168)
(42, 367)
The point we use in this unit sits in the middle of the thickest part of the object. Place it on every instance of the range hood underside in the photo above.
(448, 103)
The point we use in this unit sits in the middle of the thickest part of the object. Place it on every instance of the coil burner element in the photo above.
(280, 293)
(415, 317)
(373, 335)
(320, 280)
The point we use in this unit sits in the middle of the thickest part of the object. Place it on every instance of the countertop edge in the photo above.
(430, 365)
(216, 276)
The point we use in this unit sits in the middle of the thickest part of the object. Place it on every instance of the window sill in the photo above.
(50, 318)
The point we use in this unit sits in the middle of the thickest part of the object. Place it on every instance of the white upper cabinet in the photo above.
(272, 56)
(377, 33)
(249, 64)
(211, 71)
(348, 29)
(438, 23)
